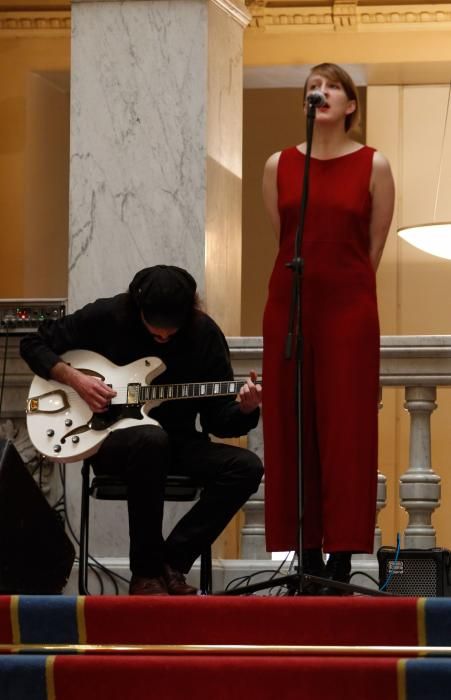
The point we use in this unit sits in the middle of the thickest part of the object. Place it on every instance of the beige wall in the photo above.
(223, 235)
(46, 195)
(24, 189)
(414, 288)
(273, 120)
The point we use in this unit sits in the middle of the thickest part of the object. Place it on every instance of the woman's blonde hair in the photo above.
(333, 72)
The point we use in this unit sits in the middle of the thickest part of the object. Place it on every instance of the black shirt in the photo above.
(113, 328)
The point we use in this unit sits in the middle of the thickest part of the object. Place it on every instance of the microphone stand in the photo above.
(294, 334)
(297, 581)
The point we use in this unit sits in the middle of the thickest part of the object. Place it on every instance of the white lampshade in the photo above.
(432, 238)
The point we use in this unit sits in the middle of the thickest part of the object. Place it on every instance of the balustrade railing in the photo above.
(420, 364)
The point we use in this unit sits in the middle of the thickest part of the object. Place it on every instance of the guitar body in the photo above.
(61, 425)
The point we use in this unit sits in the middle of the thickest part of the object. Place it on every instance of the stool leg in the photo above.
(84, 531)
(206, 572)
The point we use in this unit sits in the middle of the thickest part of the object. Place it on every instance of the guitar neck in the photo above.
(165, 392)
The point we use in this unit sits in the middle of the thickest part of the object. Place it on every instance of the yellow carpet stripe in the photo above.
(401, 674)
(421, 622)
(81, 620)
(50, 677)
(15, 624)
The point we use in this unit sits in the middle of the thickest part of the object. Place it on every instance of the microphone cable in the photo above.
(393, 565)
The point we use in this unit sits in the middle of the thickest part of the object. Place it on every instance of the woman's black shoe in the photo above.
(338, 568)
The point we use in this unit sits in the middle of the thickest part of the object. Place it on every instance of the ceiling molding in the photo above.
(31, 23)
(345, 16)
(273, 16)
(235, 9)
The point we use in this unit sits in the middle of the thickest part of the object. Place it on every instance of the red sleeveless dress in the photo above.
(340, 372)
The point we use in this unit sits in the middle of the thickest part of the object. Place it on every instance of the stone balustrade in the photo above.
(419, 364)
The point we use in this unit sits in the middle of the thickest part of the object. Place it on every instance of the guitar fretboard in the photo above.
(163, 392)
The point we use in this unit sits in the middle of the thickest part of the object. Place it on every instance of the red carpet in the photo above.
(228, 678)
(212, 620)
(227, 620)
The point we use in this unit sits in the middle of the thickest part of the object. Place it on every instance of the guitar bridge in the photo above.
(133, 394)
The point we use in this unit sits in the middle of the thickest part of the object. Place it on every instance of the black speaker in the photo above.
(416, 572)
(36, 555)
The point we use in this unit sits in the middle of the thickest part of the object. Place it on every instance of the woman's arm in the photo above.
(382, 189)
(270, 193)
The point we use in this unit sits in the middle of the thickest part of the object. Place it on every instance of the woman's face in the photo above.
(338, 105)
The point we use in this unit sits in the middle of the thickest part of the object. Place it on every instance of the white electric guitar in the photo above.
(62, 426)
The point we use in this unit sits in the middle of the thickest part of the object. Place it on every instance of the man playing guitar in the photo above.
(159, 317)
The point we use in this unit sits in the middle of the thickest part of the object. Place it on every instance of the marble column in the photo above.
(155, 170)
(156, 140)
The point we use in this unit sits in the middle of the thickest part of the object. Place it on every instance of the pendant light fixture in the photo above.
(433, 237)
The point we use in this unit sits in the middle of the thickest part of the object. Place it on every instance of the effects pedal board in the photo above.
(22, 316)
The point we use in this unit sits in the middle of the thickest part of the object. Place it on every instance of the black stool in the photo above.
(112, 488)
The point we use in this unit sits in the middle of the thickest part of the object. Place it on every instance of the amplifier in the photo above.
(416, 572)
(36, 555)
(21, 316)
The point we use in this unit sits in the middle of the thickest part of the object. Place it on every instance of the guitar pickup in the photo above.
(133, 397)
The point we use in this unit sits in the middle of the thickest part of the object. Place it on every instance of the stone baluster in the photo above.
(420, 486)
(381, 502)
(381, 496)
(253, 531)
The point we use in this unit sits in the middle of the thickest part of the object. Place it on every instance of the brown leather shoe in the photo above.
(176, 583)
(141, 585)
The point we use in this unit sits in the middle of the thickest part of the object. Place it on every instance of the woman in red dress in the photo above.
(349, 210)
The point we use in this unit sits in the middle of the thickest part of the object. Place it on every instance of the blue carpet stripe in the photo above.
(438, 622)
(23, 678)
(50, 619)
(428, 679)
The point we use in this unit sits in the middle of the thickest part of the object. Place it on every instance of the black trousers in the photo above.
(143, 456)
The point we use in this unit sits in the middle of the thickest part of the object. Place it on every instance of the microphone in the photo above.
(316, 98)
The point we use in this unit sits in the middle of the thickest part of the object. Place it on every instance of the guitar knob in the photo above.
(75, 439)
(57, 448)
(50, 432)
(68, 422)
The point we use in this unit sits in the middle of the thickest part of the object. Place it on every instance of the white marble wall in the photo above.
(144, 76)
(223, 244)
(138, 125)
